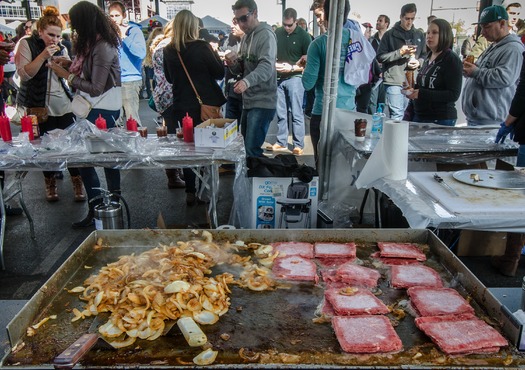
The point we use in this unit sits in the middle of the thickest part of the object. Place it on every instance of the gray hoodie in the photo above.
(487, 94)
(258, 53)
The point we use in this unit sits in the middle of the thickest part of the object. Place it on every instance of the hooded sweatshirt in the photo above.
(132, 52)
(487, 94)
(389, 54)
(257, 55)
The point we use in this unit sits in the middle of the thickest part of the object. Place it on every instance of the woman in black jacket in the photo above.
(438, 83)
(204, 67)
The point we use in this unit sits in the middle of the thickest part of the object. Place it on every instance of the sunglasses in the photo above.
(242, 18)
(288, 25)
(27, 27)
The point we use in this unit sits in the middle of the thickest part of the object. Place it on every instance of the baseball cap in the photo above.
(367, 25)
(492, 13)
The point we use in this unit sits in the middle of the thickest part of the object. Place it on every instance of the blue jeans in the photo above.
(442, 122)
(396, 101)
(290, 94)
(233, 109)
(520, 161)
(89, 175)
(254, 126)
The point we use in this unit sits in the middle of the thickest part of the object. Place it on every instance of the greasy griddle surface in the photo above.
(272, 323)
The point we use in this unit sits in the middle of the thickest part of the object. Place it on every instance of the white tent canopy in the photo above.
(6, 29)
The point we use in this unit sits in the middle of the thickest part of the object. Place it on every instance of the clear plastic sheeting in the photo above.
(435, 143)
(429, 144)
(83, 145)
(423, 208)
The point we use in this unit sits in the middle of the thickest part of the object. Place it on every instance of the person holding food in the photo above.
(95, 74)
(438, 83)
(44, 90)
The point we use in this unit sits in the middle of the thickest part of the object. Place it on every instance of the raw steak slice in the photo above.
(401, 250)
(414, 275)
(393, 261)
(294, 268)
(461, 334)
(287, 249)
(335, 250)
(438, 301)
(356, 275)
(359, 303)
(366, 334)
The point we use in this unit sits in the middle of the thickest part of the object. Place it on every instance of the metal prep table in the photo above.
(268, 322)
(150, 153)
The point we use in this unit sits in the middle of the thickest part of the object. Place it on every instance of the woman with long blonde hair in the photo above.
(204, 67)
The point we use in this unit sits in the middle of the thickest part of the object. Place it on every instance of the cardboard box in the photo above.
(215, 133)
(266, 211)
(481, 243)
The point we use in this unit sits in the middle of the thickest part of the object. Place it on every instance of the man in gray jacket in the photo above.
(256, 63)
(491, 82)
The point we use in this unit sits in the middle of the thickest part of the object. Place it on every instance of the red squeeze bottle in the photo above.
(27, 126)
(5, 128)
(101, 123)
(131, 124)
(187, 128)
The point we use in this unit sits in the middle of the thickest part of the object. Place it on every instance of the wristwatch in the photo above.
(70, 78)
(293, 67)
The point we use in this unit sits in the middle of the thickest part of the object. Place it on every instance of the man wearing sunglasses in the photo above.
(258, 86)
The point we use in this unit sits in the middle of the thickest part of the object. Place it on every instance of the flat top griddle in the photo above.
(275, 324)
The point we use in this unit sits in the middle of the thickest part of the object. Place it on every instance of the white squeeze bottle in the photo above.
(377, 122)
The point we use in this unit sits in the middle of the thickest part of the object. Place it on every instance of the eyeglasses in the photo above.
(288, 25)
(242, 18)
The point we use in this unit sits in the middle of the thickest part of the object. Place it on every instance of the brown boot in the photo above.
(78, 188)
(507, 264)
(174, 180)
(51, 189)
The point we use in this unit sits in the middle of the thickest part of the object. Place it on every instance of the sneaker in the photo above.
(13, 211)
(298, 151)
(276, 148)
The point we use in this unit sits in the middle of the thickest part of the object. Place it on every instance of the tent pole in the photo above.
(333, 51)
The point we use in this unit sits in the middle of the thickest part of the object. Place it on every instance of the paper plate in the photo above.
(491, 178)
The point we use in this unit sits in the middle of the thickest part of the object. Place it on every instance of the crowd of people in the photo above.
(258, 73)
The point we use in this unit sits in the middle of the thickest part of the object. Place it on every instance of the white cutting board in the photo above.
(472, 199)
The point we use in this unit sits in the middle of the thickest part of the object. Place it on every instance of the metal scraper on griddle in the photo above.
(72, 354)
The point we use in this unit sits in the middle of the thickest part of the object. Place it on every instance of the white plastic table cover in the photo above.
(428, 204)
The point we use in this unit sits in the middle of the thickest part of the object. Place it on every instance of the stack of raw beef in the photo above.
(358, 316)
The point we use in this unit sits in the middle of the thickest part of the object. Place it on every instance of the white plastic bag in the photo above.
(359, 56)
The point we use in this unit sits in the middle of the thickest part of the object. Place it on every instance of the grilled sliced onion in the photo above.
(206, 357)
